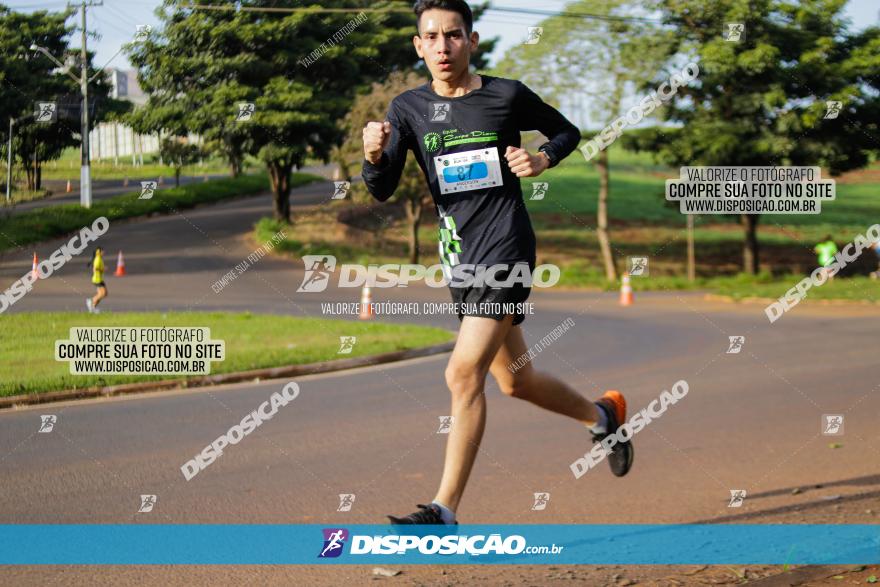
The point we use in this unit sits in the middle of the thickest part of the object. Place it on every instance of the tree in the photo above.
(600, 59)
(299, 70)
(179, 153)
(412, 192)
(205, 64)
(762, 100)
(28, 77)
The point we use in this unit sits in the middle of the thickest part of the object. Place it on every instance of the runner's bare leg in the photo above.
(540, 388)
(477, 344)
(100, 295)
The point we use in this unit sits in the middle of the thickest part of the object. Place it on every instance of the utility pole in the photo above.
(85, 174)
(9, 163)
(85, 177)
(691, 257)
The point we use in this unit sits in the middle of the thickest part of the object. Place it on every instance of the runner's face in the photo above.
(444, 44)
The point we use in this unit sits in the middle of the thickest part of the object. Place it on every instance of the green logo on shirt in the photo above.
(476, 136)
(432, 142)
(450, 242)
(452, 137)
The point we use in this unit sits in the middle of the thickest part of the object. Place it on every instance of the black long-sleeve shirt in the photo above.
(460, 144)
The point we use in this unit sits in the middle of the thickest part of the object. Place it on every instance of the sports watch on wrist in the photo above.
(550, 156)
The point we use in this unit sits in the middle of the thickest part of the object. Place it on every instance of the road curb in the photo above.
(14, 401)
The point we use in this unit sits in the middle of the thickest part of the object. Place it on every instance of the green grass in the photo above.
(22, 195)
(642, 223)
(859, 288)
(253, 341)
(68, 167)
(105, 170)
(582, 274)
(573, 191)
(738, 287)
(636, 195)
(265, 228)
(54, 221)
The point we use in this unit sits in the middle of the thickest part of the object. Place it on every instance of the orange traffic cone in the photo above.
(626, 291)
(120, 266)
(69, 187)
(34, 267)
(366, 304)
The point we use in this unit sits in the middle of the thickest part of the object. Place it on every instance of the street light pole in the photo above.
(9, 163)
(85, 175)
(691, 255)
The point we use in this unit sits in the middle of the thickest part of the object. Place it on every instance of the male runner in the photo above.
(483, 221)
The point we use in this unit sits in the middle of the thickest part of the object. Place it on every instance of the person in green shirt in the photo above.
(98, 280)
(825, 251)
(876, 248)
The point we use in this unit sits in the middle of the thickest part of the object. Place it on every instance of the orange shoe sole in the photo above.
(616, 398)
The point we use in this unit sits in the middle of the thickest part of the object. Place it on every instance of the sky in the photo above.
(115, 21)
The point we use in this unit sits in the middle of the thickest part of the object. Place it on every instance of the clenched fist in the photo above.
(376, 136)
(524, 164)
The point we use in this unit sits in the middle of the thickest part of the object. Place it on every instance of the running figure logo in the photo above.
(142, 31)
(342, 188)
(734, 32)
(736, 344)
(638, 266)
(346, 344)
(737, 496)
(539, 190)
(832, 424)
(440, 112)
(47, 423)
(45, 112)
(535, 33)
(147, 503)
(318, 270)
(432, 141)
(147, 189)
(541, 500)
(334, 540)
(245, 111)
(446, 423)
(346, 500)
(832, 109)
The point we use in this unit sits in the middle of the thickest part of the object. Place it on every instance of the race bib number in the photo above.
(468, 170)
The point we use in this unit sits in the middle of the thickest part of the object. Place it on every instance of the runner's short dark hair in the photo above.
(459, 6)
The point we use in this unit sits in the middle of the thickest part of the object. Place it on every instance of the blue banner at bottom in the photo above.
(237, 544)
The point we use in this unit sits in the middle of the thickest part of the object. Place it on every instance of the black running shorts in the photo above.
(491, 302)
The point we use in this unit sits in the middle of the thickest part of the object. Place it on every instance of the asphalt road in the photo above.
(750, 420)
(108, 188)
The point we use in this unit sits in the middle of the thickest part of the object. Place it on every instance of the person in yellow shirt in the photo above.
(98, 281)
